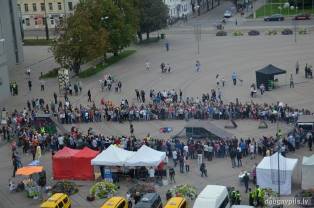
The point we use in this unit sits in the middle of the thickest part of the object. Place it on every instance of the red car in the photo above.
(302, 17)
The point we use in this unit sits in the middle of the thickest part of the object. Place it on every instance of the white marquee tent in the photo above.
(307, 173)
(146, 156)
(267, 173)
(112, 156)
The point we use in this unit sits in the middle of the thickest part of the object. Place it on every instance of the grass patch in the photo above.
(148, 41)
(50, 74)
(99, 67)
(37, 42)
(269, 9)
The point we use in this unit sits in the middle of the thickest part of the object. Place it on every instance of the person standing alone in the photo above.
(89, 96)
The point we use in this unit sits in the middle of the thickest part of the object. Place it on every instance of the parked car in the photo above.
(149, 200)
(176, 202)
(57, 200)
(302, 17)
(227, 14)
(274, 17)
(213, 196)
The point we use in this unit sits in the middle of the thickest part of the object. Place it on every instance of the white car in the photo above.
(227, 14)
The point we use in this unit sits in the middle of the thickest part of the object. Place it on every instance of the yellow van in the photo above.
(58, 200)
(115, 202)
(176, 202)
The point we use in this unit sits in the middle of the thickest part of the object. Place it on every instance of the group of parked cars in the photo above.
(212, 196)
(280, 17)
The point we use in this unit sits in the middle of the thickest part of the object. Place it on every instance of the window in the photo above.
(122, 205)
(36, 22)
(65, 200)
(42, 7)
(26, 7)
(59, 6)
(50, 6)
(27, 22)
(19, 7)
(52, 21)
(60, 205)
(34, 7)
(70, 5)
(183, 205)
(225, 202)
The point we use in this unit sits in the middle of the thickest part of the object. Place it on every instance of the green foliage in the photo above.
(99, 67)
(271, 32)
(287, 31)
(153, 16)
(303, 31)
(67, 187)
(184, 190)
(103, 189)
(237, 33)
(37, 42)
(51, 74)
(150, 40)
(81, 39)
(269, 9)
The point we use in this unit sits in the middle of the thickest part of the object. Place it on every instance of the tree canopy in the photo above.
(153, 15)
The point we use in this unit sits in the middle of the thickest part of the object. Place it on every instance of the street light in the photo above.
(198, 34)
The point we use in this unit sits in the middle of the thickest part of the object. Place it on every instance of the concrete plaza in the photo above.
(218, 55)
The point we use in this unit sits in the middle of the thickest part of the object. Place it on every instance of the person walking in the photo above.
(172, 173)
(42, 85)
(232, 157)
(203, 170)
(239, 157)
(187, 165)
(199, 156)
(138, 97)
(29, 85)
(291, 81)
(89, 94)
(180, 95)
(309, 138)
(55, 96)
(297, 67)
(197, 65)
(174, 157)
(234, 78)
(167, 46)
(246, 182)
(181, 162)
(147, 66)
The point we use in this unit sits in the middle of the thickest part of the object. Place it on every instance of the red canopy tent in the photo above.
(83, 170)
(62, 163)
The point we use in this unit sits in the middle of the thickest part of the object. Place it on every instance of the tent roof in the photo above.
(271, 70)
(308, 160)
(86, 153)
(306, 119)
(266, 163)
(65, 152)
(113, 156)
(146, 156)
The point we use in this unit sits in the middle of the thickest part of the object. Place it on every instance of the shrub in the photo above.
(99, 67)
(221, 33)
(253, 33)
(237, 33)
(37, 42)
(50, 74)
(271, 32)
(303, 31)
(287, 31)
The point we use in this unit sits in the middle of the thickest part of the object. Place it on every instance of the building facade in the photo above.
(11, 51)
(178, 8)
(33, 12)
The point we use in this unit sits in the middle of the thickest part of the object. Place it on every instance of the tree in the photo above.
(153, 15)
(81, 38)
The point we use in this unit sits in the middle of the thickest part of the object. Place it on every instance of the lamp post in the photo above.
(278, 158)
(198, 34)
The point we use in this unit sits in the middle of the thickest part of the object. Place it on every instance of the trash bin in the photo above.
(162, 36)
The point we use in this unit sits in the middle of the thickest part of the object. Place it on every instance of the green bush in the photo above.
(303, 31)
(37, 42)
(271, 32)
(237, 33)
(99, 67)
(50, 74)
(150, 40)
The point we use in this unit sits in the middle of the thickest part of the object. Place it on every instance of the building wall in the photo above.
(11, 51)
(178, 8)
(33, 12)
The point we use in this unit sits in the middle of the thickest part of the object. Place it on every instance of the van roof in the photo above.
(212, 191)
(210, 196)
